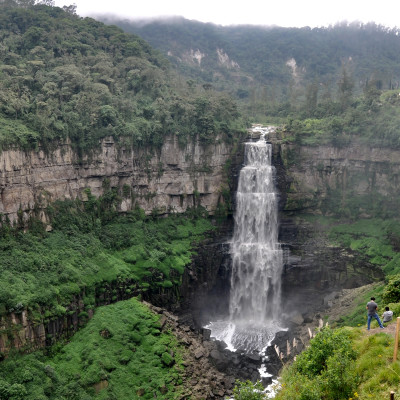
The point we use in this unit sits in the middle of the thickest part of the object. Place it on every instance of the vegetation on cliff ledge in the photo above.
(90, 254)
(371, 119)
(346, 362)
(343, 364)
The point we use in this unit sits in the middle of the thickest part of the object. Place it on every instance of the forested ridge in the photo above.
(262, 53)
(330, 85)
(67, 77)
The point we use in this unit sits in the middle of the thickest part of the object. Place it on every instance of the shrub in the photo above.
(167, 359)
(135, 337)
(248, 391)
(325, 370)
(327, 341)
(391, 292)
(339, 379)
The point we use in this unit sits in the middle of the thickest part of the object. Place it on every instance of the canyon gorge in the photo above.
(175, 178)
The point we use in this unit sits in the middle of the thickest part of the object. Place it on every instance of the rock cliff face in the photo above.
(170, 179)
(327, 179)
(315, 181)
(355, 182)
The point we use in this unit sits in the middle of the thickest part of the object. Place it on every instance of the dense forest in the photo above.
(329, 85)
(64, 78)
(67, 77)
(262, 57)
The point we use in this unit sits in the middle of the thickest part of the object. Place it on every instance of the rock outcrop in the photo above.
(175, 178)
(353, 179)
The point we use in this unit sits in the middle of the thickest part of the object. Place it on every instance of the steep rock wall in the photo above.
(172, 178)
(326, 179)
(356, 181)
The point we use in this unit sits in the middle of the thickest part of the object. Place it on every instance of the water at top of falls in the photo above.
(255, 296)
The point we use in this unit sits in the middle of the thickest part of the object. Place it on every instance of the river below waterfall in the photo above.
(255, 287)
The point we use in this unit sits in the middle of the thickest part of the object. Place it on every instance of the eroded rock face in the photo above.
(176, 178)
(170, 179)
(356, 180)
(323, 179)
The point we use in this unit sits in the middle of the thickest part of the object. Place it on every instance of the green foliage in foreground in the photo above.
(359, 367)
(120, 354)
(248, 391)
(44, 271)
(325, 370)
(356, 365)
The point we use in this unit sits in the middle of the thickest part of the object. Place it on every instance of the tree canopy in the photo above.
(63, 76)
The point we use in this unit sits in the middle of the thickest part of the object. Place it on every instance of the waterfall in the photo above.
(256, 253)
(255, 296)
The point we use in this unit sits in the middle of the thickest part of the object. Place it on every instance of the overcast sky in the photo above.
(287, 13)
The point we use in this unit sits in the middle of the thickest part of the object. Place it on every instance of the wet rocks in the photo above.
(210, 369)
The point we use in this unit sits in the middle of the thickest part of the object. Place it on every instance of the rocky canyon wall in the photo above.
(357, 181)
(172, 178)
(351, 183)
(320, 181)
(347, 180)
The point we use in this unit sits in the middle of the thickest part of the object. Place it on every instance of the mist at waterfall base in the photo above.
(255, 292)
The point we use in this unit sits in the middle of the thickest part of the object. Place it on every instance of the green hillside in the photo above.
(63, 76)
(262, 54)
(326, 85)
(343, 364)
(90, 258)
(69, 79)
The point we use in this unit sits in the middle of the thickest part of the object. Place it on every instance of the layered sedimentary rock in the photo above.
(353, 182)
(328, 179)
(315, 180)
(172, 178)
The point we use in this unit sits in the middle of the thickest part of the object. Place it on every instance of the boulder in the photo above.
(297, 319)
(198, 353)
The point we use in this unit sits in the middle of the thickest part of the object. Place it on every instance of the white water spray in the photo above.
(256, 257)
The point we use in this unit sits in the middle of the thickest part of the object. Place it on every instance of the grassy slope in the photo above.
(121, 353)
(370, 374)
(374, 365)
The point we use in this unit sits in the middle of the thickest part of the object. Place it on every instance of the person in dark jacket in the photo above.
(372, 307)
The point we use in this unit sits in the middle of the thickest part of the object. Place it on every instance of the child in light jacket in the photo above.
(387, 315)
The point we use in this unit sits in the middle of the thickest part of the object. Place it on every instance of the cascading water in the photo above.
(256, 257)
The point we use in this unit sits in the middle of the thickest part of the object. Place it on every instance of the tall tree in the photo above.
(346, 86)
